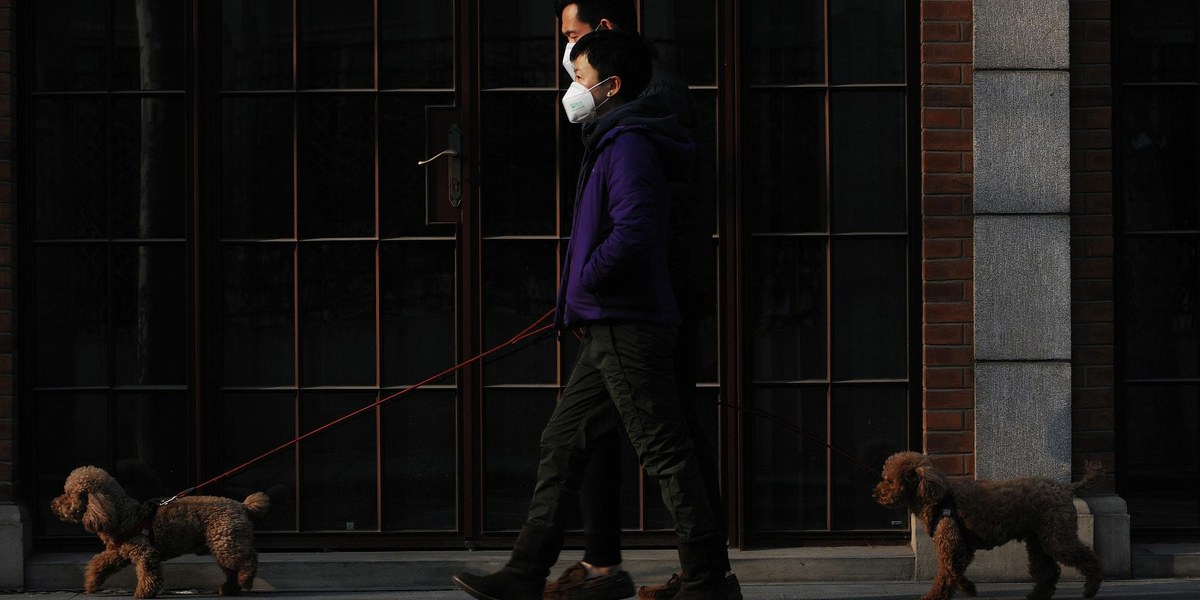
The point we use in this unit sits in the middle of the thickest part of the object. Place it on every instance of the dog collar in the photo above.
(144, 527)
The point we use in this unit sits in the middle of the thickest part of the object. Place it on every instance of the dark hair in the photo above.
(622, 13)
(621, 53)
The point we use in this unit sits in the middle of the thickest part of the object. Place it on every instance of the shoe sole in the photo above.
(462, 585)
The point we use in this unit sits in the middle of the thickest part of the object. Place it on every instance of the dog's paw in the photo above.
(967, 588)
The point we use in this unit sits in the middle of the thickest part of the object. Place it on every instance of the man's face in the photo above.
(572, 27)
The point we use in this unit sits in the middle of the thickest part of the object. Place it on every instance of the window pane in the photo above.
(867, 41)
(787, 468)
(868, 162)
(420, 458)
(1158, 40)
(148, 44)
(402, 182)
(787, 41)
(336, 48)
(518, 143)
(69, 46)
(256, 44)
(149, 194)
(248, 425)
(69, 168)
(256, 168)
(1163, 456)
(787, 309)
(72, 336)
(337, 467)
(150, 431)
(419, 323)
(512, 423)
(869, 423)
(151, 320)
(685, 34)
(1160, 159)
(870, 332)
(337, 166)
(518, 287)
(521, 45)
(69, 430)
(786, 157)
(1161, 312)
(258, 346)
(416, 44)
(337, 304)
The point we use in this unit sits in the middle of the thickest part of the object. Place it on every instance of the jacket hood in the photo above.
(652, 116)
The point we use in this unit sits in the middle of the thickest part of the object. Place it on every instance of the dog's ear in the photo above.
(100, 514)
(932, 486)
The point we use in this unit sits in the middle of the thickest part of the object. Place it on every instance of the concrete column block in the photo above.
(1022, 287)
(1022, 34)
(16, 541)
(1023, 420)
(1022, 141)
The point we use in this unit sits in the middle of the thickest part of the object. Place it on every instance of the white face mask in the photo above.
(567, 61)
(579, 104)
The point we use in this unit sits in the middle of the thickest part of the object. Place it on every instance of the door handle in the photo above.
(454, 147)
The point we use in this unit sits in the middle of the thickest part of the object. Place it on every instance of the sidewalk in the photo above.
(1128, 589)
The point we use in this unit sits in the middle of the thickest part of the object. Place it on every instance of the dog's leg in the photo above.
(240, 566)
(961, 562)
(101, 567)
(1073, 553)
(1043, 569)
(247, 572)
(149, 573)
(947, 544)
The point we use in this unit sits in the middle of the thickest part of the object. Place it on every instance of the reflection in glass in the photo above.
(71, 345)
(336, 47)
(521, 46)
(69, 45)
(416, 48)
(251, 424)
(786, 470)
(401, 181)
(256, 168)
(786, 158)
(68, 430)
(867, 162)
(258, 347)
(518, 287)
(787, 309)
(337, 166)
(256, 44)
(518, 170)
(787, 42)
(150, 333)
(512, 429)
(417, 309)
(1161, 312)
(337, 314)
(685, 35)
(150, 432)
(148, 44)
(70, 171)
(149, 195)
(870, 423)
(867, 41)
(870, 296)
(420, 457)
(1160, 159)
(1162, 463)
(1158, 41)
(338, 467)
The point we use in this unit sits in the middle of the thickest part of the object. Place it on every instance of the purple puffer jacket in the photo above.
(616, 262)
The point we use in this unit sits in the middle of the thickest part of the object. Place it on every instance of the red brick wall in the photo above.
(1092, 234)
(948, 332)
(8, 247)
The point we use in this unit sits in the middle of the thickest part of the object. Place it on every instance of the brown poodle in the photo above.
(147, 533)
(979, 515)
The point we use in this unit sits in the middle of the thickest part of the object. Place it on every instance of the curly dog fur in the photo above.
(187, 525)
(1037, 510)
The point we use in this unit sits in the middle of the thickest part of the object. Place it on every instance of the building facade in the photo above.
(968, 229)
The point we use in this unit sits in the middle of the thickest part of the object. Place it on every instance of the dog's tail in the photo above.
(257, 504)
(1093, 470)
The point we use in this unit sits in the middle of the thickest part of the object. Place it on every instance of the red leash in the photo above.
(525, 333)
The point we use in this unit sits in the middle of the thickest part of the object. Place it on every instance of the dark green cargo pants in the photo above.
(629, 365)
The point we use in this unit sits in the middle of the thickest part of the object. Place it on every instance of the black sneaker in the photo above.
(574, 584)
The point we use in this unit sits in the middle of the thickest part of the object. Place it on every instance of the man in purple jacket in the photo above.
(615, 290)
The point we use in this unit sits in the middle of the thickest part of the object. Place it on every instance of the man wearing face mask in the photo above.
(598, 576)
(615, 290)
